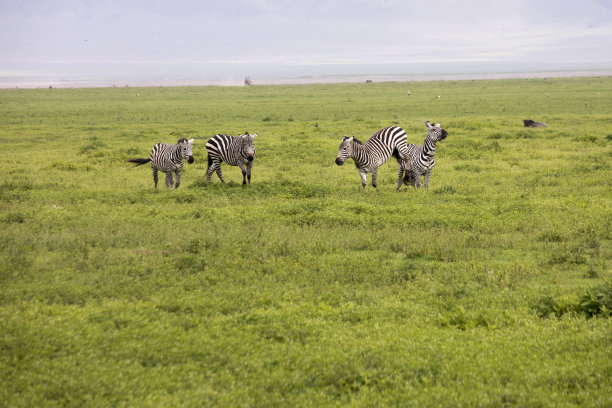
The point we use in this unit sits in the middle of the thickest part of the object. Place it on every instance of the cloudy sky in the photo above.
(225, 38)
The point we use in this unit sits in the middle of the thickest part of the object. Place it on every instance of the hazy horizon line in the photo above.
(20, 80)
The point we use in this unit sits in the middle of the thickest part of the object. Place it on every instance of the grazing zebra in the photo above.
(422, 157)
(168, 159)
(235, 151)
(368, 156)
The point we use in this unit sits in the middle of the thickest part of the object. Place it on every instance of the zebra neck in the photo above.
(176, 154)
(359, 154)
(429, 147)
(239, 148)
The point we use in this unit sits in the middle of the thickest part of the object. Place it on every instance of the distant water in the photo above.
(138, 75)
(436, 77)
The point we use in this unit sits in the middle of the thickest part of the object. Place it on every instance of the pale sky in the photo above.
(301, 37)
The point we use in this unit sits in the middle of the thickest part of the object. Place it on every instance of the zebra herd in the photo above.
(235, 151)
(413, 160)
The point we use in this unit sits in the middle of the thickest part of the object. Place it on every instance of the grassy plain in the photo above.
(493, 288)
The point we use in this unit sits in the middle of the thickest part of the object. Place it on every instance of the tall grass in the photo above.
(304, 288)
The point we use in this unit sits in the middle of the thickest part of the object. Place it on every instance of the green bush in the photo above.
(592, 303)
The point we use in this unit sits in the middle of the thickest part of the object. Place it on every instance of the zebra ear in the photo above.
(428, 124)
(438, 125)
(190, 141)
(254, 135)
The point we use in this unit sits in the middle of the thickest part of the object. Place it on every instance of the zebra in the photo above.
(233, 150)
(168, 159)
(422, 157)
(368, 156)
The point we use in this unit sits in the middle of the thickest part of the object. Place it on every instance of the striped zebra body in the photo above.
(369, 156)
(422, 157)
(233, 150)
(168, 159)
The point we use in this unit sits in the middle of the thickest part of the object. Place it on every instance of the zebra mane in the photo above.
(357, 141)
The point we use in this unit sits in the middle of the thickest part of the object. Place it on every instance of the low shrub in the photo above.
(594, 302)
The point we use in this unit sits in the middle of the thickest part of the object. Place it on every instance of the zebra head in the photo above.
(248, 146)
(185, 149)
(435, 132)
(345, 150)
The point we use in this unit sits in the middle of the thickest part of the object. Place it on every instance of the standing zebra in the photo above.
(168, 159)
(235, 151)
(422, 157)
(368, 156)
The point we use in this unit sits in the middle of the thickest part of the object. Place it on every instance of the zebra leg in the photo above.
(418, 180)
(178, 179)
(219, 172)
(244, 173)
(364, 178)
(249, 166)
(427, 175)
(169, 180)
(408, 173)
(374, 177)
(209, 172)
(400, 174)
(155, 177)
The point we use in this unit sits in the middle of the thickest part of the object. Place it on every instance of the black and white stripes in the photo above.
(414, 161)
(235, 151)
(368, 156)
(422, 157)
(168, 159)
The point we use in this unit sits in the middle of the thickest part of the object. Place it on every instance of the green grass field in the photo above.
(493, 288)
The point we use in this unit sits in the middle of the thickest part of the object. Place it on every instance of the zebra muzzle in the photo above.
(339, 161)
(190, 159)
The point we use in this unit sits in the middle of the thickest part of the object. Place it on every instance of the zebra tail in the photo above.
(139, 162)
